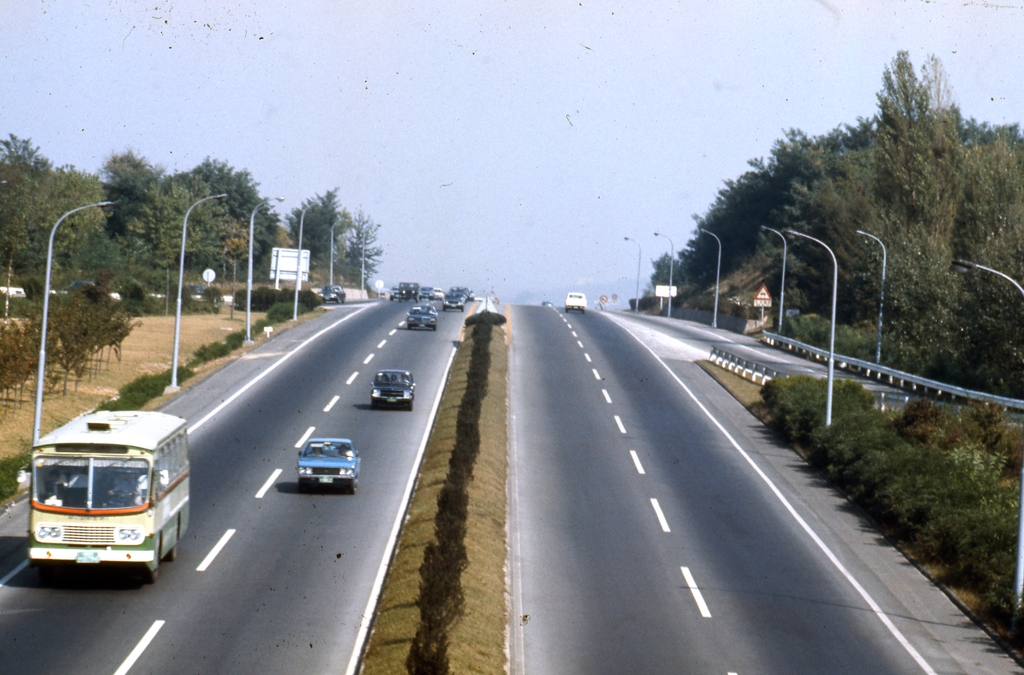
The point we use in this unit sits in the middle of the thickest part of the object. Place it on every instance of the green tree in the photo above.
(323, 213)
(360, 248)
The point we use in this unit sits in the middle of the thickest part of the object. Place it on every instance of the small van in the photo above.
(577, 301)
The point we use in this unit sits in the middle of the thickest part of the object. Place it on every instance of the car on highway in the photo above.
(328, 462)
(438, 294)
(393, 387)
(421, 316)
(333, 294)
(453, 302)
(547, 303)
(576, 301)
(426, 293)
(408, 291)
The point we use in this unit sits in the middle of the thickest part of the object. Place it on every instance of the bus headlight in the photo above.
(129, 535)
(49, 533)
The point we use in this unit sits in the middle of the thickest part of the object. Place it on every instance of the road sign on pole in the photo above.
(209, 275)
(763, 298)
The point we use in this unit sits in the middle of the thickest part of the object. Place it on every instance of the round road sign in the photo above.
(209, 275)
(378, 284)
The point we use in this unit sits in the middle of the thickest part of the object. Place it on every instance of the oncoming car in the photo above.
(328, 462)
(421, 316)
(576, 301)
(393, 387)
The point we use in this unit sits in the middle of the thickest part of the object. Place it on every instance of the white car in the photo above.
(13, 291)
(577, 301)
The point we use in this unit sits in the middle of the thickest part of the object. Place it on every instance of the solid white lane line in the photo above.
(216, 549)
(352, 377)
(875, 608)
(606, 396)
(393, 331)
(587, 357)
(230, 399)
(382, 343)
(368, 359)
(378, 582)
(580, 344)
(636, 461)
(622, 429)
(270, 481)
(661, 516)
(333, 401)
(305, 437)
(596, 376)
(13, 573)
(704, 611)
(139, 648)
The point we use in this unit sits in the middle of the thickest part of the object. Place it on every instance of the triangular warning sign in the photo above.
(763, 294)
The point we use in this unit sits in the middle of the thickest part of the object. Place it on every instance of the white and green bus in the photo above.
(110, 488)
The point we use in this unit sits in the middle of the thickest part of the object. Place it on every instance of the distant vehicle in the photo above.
(421, 316)
(463, 290)
(393, 387)
(328, 462)
(195, 291)
(13, 291)
(547, 303)
(454, 302)
(333, 294)
(393, 295)
(110, 488)
(438, 294)
(408, 291)
(426, 293)
(577, 301)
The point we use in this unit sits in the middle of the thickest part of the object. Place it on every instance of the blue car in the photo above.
(328, 462)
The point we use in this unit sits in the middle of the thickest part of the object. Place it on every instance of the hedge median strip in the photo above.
(443, 607)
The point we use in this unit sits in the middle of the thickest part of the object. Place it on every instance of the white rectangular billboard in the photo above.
(665, 292)
(283, 263)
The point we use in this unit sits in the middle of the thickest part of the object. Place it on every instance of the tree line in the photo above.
(139, 243)
(932, 185)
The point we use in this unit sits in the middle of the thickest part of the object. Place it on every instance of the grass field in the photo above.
(146, 351)
(478, 638)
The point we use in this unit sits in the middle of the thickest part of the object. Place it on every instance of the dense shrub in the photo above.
(142, 390)
(265, 297)
(939, 479)
(856, 341)
(9, 468)
(488, 318)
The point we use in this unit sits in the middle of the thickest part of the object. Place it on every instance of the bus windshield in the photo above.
(91, 482)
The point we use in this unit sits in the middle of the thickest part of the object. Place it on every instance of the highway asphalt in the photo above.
(657, 527)
(288, 589)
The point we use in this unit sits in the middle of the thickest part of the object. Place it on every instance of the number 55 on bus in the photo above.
(111, 489)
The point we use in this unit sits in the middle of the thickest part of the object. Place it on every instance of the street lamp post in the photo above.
(362, 262)
(173, 386)
(671, 264)
(248, 283)
(718, 273)
(331, 273)
(832, 327)
(639, 254)
(37, 421)
(881, 298)
(963, 267)
(298, 268)
(782, 290)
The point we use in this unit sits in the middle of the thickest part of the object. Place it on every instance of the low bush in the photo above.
(142, 390)
(939, 480)
(265, 297)
(280, 312)
(9, 468)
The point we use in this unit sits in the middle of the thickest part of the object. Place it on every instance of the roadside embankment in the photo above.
(443, 607)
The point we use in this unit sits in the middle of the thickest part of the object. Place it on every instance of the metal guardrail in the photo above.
(896, 378)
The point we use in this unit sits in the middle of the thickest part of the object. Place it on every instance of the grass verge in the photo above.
(744, 391)
(477, 639)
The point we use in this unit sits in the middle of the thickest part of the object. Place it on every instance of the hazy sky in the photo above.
(500, 144)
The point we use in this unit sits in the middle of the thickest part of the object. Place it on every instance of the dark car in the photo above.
(421, 316)
(408, 291)
(328, 462)
(333, 294)
(393, 387)
(395, 292)
(454, 301)
(426, 293)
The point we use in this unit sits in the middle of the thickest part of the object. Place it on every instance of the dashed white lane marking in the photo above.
(636, 461)
(393, 331)
(216, 549)
(569, 325)
(382, 343)
(704, 611)
(368, 359)
(580, 344)
(587, 357)
(596, 376)
(661, 516)
(352, 377)
(335, 399)
(619, 423)
(305, 437)
(574, 334)
(401, 325)
(13, 573)
(266, 486)
(139, 648)
(840, 567)
(606, 396)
